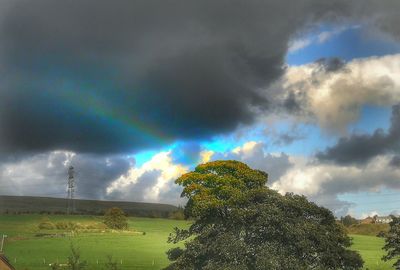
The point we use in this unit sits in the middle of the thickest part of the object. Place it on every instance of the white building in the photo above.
(384, 219)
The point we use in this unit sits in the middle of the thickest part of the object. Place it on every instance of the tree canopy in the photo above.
(392, 245)
(239, 223)
(348, 221)
(115, 218)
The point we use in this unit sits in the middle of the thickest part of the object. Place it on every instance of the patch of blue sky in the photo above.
(144, 156)
(309, 139)
(384, 202)
(227, 142)
(372, 118)
(347, 44)
(186, 152)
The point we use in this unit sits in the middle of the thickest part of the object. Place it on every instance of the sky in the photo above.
(134, 94)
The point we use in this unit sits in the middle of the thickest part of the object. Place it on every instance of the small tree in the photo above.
(115, 218)
(74, 259)
(348, 220)
(392, 245)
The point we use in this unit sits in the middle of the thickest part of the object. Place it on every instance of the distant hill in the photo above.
(28, 204)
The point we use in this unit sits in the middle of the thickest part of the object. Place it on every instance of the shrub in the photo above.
(115, 219)
(68, 225)
(381, 234)
(178, 215)
(46, 224)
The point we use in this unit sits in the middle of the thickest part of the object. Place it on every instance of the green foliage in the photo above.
(74, 259)
(46, 224)
(241, 224)
(216, 185)
(368, 229)
(115, 218)
(178, 215)
(68, 225)
(348, 220)
(392, 245)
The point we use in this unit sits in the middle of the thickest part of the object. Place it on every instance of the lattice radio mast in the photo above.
(71, 190)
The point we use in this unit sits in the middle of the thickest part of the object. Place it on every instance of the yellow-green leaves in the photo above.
(213, 186)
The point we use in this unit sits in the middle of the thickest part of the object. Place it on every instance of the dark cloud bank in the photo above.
(113, 76)
(360, 148)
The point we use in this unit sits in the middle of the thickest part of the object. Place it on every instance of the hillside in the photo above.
(28, 204)
(368, 229)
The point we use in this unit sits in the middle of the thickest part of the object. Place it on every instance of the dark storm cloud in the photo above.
(395, 162)
(95, 173)
(360, 148)
(45, 174)
(112, 76)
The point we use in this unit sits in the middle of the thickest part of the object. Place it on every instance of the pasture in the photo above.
(370, 248)
(143, 247)
(132, 249)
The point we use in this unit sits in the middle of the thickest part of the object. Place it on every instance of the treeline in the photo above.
(58, 206)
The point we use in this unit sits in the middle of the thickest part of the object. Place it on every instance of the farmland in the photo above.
(370, 248)
(142, 247)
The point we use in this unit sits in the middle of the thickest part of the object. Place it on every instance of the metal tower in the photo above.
(71, 190)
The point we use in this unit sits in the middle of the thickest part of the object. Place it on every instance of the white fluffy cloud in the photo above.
(153, 179)
(255, 155)
(335, 94)
(322, 37)
(324, 182)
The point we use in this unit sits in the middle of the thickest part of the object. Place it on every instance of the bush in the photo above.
(96, 226)
(115, 219)
(68, 225)
(178, 215)
(381, 234)
(46, 226)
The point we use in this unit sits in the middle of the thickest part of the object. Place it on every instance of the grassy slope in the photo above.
(370, 248)
(137, 251)
(368, 229)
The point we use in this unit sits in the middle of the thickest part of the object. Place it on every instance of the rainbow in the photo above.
(97, 105)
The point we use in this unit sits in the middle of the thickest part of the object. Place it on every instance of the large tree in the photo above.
(392, 245)
(239, 223)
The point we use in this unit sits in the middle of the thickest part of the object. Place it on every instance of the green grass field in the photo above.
(135, 250)
(370, 248)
